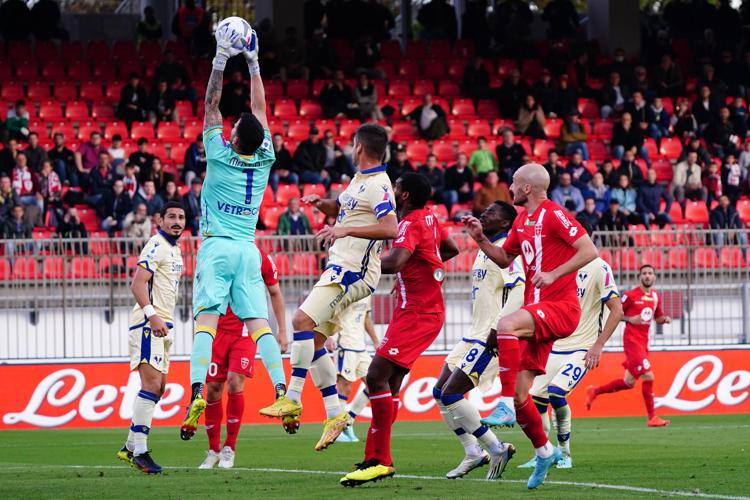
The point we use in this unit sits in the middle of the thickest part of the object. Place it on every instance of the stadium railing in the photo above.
(70, 298)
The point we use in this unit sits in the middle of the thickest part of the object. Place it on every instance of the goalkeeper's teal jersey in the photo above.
(234, 187)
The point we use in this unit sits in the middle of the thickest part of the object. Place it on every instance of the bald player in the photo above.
(554, 247)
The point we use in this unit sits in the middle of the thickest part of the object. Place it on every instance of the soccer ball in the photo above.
(240, 26)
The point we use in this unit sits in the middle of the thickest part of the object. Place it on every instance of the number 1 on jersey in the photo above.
(249, 172)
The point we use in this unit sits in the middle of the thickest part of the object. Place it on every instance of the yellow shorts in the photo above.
(472, 359)
(352, 365)
(327, 300)
(145, 348)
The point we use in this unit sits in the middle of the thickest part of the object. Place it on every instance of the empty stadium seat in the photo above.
(11, 91)
(168, 131)
(65, 91)
(696, 211)
(478, 128)
(77, 111)
(86, 129)
(743, 209)
(588, 108)
(192, 130)
(92, 91)
(299, 131)
(297, 89)
(417, 151)
(542, 147)
(705, 258)
(64, 128)
(663, 170)
(53, 267)
(348, 128)
(670, 148)
(409, 69)
(399, 88)
(83, 267)
(324, 126)
(50, 110)
(677, 258)
(434, 69)
(403, 131)
(142, 129)
(88, 219)
(177, 152)
(448, 88)
(732, 257)
(26, 268)
(462, 107)
(282, 264)
(444, 151)
(271, 216)
(79, 71)
(27, 70)
(653, 257)
(310, 109)
(305, 264)
(285, 109)
(71, 50)
(286, 192)
(552, 128)
(6, 271)
(38, 90)
(422, 87)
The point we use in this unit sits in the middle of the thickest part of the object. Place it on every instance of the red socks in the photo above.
(648, 396)
(530, 421)
(378, 444)
(613, 386)
(509, 358)
(214, 414)
(235, 409)
(396, 402)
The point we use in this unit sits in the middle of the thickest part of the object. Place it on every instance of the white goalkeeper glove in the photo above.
(226, 38)
(251, 54)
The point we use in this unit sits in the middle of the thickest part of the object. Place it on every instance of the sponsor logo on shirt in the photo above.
(528, 251)
(236, 209)
(564, 219)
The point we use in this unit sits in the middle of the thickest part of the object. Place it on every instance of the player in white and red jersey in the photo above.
(554, 247)
(640, 305)
(232, 360)
(417, 259)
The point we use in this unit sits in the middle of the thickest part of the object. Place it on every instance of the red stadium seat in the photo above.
(416, 49)
(462, 263)
(77, 111)
(53, 71)
(285, 109)
(705, 258)
(404, 131)
(487, 109)
(348, 128)
(409, 69)
(65, 91)
(732, 257)
(457, 129)
(628, 259)
(324, 126)
(112, 92)
(53, 268)
(478, 128)
(276, 127)
(743, 209)
(675, 212)
(542, 147)
(696, 211)
(92, 91)
(663, 170)
(123, 49)
(27, 70)
(142, 129)
(650, 145)
(448, 88)
(399, 88)
(422, 87)
(269, 199)
(71, 50)
(274, 89)
(588, 107)
(598, 150)
(103, 111)
(532, 69)
(417, 151)
(318, 189)
(85, 130)
(552, 128)
(79, 70)
(106, 72)
(677, 258)
(113, 128)
(192, 130)
(97, 50)
(271, 216)
(38, 90)
(286, 192)
(65, 128)
(444, 151)
(184, 110)
(299, 131)
(671, 148)
(88, 219)
(305, 264)
(310, 109)
(652, 257)
(317, 87)
(168, 131)
(6, 271)
(434, 69)
(505, 66)
(456, 69)
(11, 91)
(297, 89)
(462, 107)
(83, 267)
(26, 268)
(390, 49)
(127, 66)
(50, 110)
(177, 152)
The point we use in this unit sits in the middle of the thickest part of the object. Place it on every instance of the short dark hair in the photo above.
(250, 134)
(142, 140)
(34, 134)
(644, 266)
(117, 137)
(20, 102)
(374, 140)
(507, 210)
(418, 187)
(171, 204)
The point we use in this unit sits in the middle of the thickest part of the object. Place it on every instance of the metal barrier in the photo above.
(70, 298)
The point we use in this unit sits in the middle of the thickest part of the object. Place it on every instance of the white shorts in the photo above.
(352, 365)
(145, 348)
(470, 357)
(327, 300)
(564, 370)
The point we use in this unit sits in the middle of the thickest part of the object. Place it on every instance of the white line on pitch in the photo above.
(617, 487)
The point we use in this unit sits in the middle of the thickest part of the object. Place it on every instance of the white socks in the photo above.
(324, 374)
(359, 403)
(545, 451)
(303, 350)
(143, 412)
(468, 441)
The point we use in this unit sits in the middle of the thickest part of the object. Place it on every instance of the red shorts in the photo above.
(409, 334)
(552, 321)
(636, 360)
(231, 353)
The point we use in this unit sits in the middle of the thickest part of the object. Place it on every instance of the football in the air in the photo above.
(240, 26)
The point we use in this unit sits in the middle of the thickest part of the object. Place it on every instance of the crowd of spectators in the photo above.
(645, 101)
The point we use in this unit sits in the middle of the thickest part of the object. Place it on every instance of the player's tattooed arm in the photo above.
(213, 97)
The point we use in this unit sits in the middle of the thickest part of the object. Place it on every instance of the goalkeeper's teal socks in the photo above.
(270, 354)
(200, 357)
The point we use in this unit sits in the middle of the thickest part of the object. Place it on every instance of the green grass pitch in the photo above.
(705, 456)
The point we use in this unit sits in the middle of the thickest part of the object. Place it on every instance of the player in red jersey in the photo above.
(232, 360)
(641, 305)
(554, 247)
(416, 259)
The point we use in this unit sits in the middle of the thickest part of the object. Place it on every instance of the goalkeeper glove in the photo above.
(225, 40)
